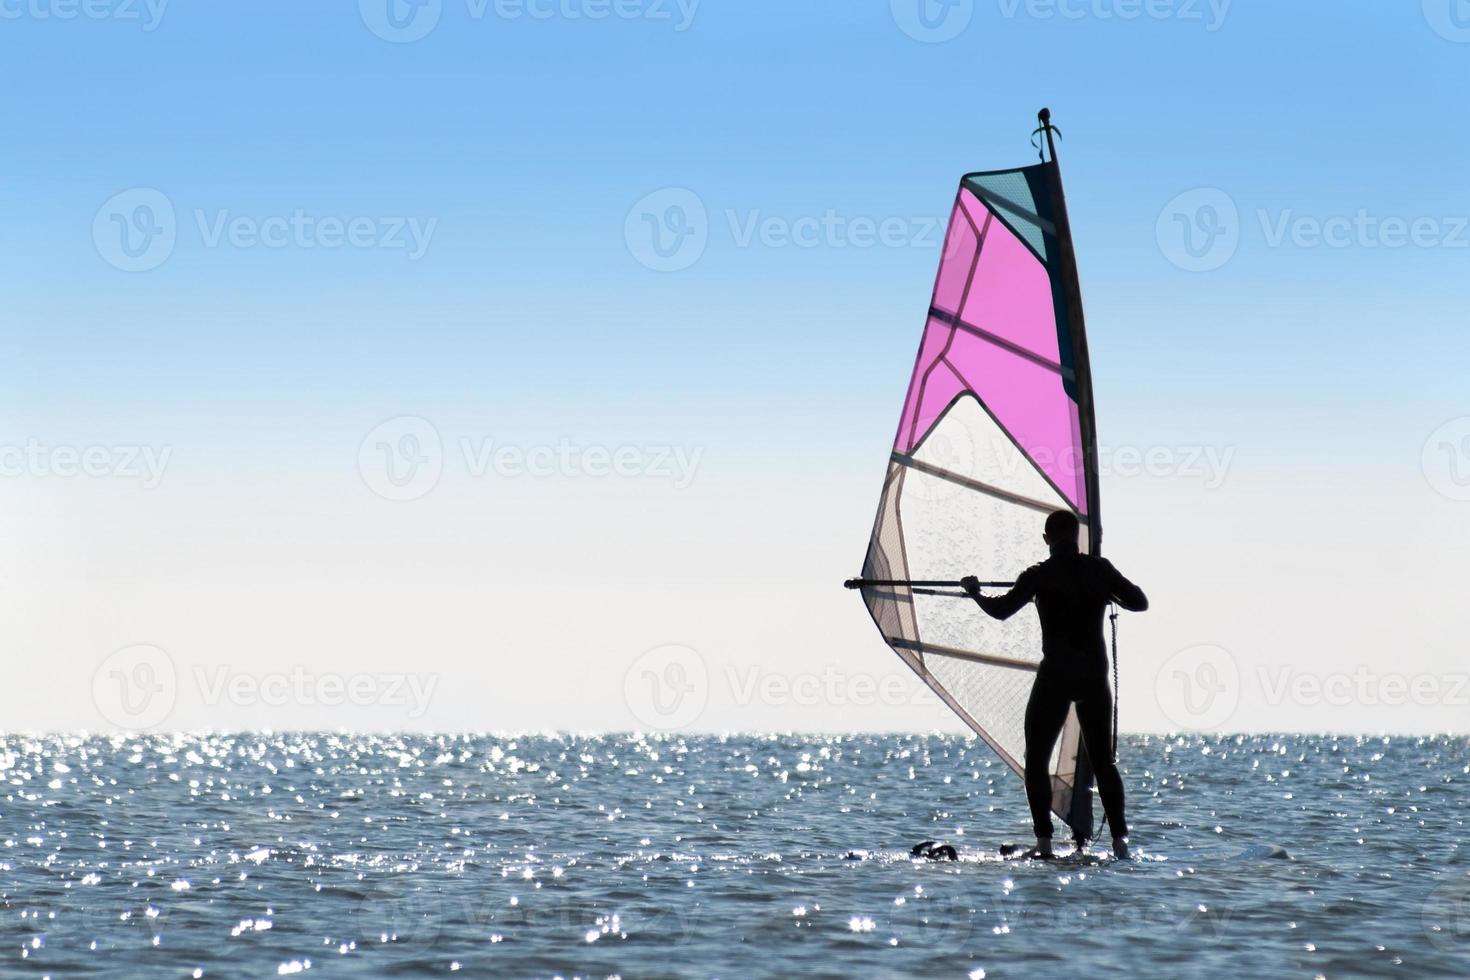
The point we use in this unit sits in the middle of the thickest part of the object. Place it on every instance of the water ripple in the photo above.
(623, 855)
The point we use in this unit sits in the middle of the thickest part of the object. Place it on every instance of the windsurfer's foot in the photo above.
(934, 851)
(1042, 850)
(1120, 848)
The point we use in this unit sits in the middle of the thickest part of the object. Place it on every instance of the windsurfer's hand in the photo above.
(971, 585)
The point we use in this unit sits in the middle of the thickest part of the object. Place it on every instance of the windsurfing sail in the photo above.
(997, 432)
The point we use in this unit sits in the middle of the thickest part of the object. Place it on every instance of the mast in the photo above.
(1081, 380)
(1081, 817)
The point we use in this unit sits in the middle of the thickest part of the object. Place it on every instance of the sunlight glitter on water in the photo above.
(345, 855)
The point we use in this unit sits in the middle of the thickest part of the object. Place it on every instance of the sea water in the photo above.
(256, 855)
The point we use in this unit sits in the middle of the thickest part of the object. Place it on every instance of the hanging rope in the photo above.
(1113, 616)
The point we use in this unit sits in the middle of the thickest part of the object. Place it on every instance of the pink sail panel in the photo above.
(1010, 296)
(961, 244)
(992, 332)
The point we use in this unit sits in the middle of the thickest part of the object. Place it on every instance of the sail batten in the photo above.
(971, 655)
(995, 433)
(954, 321)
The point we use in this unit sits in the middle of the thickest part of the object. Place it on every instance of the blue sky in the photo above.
(520, 137)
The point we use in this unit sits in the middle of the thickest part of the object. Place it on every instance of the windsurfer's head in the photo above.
(1062, 531)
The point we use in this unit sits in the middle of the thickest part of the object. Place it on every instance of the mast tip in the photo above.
(1044, 115)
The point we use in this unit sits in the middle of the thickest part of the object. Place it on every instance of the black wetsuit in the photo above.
(1072, 592)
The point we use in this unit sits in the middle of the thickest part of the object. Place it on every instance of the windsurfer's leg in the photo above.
(1046, 713)
(1095, 716)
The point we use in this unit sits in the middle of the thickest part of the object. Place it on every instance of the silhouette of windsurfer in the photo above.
(1071, 591)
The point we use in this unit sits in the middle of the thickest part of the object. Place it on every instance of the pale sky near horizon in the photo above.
(534, 365)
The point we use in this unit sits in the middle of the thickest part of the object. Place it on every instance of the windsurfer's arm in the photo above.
(1004, 606)
(1125, 593)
